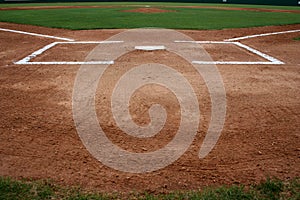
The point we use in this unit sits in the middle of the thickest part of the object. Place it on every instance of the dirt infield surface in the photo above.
(261, 135)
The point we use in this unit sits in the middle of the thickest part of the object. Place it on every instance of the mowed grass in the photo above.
(3, 5)
(271, 189)
(114, 18)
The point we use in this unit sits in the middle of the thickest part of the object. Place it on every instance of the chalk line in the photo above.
(233, 63)
(92, 42)
(270, 60)
(26, 60)
(35, 54)
(110, 62)
(203, 42)
(35, 34)
(267, 57)
(261, 35)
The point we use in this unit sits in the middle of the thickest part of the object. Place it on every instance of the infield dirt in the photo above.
(261, 136)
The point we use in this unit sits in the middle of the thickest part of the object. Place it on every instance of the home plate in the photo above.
(150, 48)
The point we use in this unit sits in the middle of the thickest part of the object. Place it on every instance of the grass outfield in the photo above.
(271, 189)
(149, 3)
(110, 18)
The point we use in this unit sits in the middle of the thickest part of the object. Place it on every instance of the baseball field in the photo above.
(149, 101)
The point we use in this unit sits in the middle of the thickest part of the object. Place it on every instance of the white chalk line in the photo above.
(35, 54)
(228, 41)
(92, 42)
(35, 34)
(261, 35)
(110, 62)
(203, 42)
(267, 57)
(233, 63)
(27, 59)
(271, 60)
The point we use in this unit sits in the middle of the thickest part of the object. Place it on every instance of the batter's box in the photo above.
(28, 60)
(269, 59)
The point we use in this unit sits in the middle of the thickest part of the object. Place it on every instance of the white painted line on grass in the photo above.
(150, 48)
(35, 34)
(261, 35)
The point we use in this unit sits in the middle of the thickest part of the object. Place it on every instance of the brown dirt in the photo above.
(249, 9)
(148, 10)
(261, 136)
(264, 10)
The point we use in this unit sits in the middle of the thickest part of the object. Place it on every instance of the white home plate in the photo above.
(150, 48)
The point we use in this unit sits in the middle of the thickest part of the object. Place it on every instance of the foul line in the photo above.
(36, 34)
(261, 35)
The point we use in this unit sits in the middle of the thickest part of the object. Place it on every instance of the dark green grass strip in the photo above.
(271, 189)
(149, 3)
(183, 18)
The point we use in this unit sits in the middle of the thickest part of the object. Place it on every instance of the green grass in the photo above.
(109, 18)
(149, 3)
(298, 38)
(271, 189)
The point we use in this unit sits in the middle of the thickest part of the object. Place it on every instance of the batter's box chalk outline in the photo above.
(270, 60)
(26, 60)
